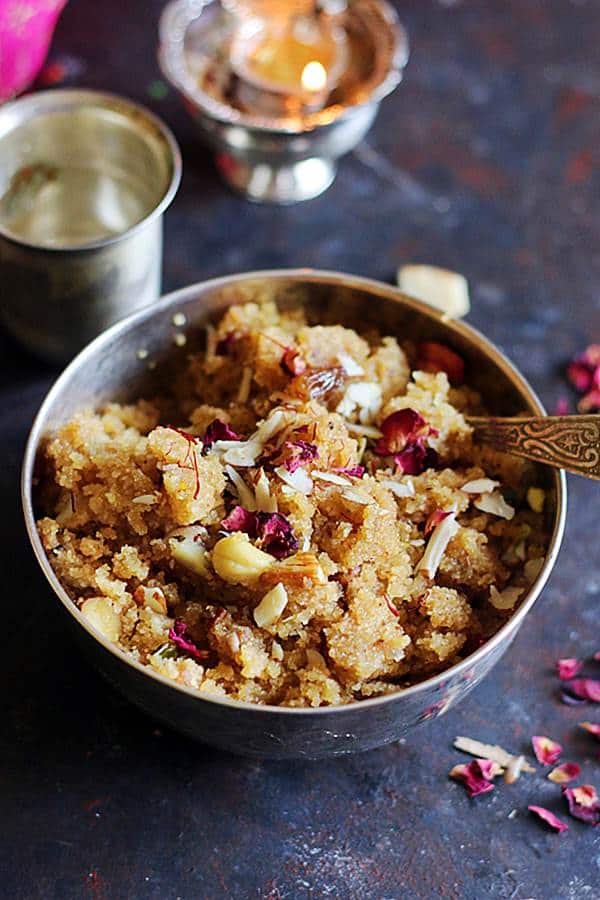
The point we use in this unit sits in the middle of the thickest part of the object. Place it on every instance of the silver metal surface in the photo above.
(93, 252)
(260, 155)
(109, 368)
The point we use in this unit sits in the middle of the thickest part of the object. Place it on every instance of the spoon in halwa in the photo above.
(563, 442)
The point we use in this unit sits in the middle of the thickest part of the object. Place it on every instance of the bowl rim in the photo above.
(318, 276)
(27, 107)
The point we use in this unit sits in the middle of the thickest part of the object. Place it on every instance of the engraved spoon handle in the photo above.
(564, 442)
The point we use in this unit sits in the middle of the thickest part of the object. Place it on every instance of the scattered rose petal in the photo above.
(416, 459)
(292, 363)
(568, 668)
(272, 530)
(591, 402)
(584, 374)
(591, 728)
(297, 453)
(352, 471)
(549, 818)
(218, 431)
(596, 656)
(585, 688)
(476, 775)
(434, 357)
(546, 750)
(583, 803)
(177, 634)
(400, 429)
(564, 773)
(562, 407)
(490, 751)
(437, 516)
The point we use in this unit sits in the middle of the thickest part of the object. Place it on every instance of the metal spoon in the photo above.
(564, 442)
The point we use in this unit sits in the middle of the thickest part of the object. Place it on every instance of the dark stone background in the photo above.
(486, 161)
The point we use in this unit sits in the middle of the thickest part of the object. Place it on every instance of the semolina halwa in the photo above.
(303, 521)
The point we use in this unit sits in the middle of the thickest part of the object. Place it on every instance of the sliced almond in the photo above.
(495, 504)
(271, 606)
(440, 538)
(446, 290)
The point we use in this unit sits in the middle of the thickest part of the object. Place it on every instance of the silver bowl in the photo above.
(271, 159)
(110, 368)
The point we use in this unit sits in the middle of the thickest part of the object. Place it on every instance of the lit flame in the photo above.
(314, 76)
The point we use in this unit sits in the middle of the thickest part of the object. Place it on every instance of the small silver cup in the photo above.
(85, 178)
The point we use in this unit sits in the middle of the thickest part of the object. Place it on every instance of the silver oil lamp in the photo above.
(282, 88)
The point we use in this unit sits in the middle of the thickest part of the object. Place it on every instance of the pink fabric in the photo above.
(26, 28)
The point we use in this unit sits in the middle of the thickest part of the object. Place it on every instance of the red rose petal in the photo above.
(580, 375)
(549, 818)
(398, 430)
(433, 520)
(562, 407)
(583, 803)
(415, 459)
(476, 775)
(177, 634)
(218, 431)
(352, 471)
(273, 531)
(546, 750)
(591, 728)
(585, 689)
(568, 668)
(434, 357)
(564, 773)
(596, 656)
(590, 402)
(298, 453)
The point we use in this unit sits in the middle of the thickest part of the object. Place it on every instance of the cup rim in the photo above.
(377, 288)
(65, 99)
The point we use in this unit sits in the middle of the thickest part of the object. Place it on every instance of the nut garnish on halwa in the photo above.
(309, 523)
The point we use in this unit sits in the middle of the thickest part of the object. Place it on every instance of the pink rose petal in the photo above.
(591, 728)
(568, 668)
(218, 431)
(476, 775)
(272, 530)
(564, 773)
(297, 453)
(583, 803)
(585, 689)
(177, 634)
(549, 818)
(546, 750)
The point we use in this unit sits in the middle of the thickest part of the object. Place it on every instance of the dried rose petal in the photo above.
(562, 407)
(434, 357)
(177, 634)
(546, 750)
(564, 773)
(580, 375)
(476, 775)
(218, 431)
(433, 520)
(583, 803)
(549, 818)
(300, 452)
(416, 459)
(352, 471)
(591, 728)
(276, 534)
(596, 656)
(292, 363)
(568, 668)
(585, 688)
(273, 531)
(590, 402)
(400, 429)
(224, 346)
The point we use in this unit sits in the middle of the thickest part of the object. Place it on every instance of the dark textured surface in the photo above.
(485, 160)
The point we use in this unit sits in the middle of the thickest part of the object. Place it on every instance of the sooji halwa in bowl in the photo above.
(295, 513)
